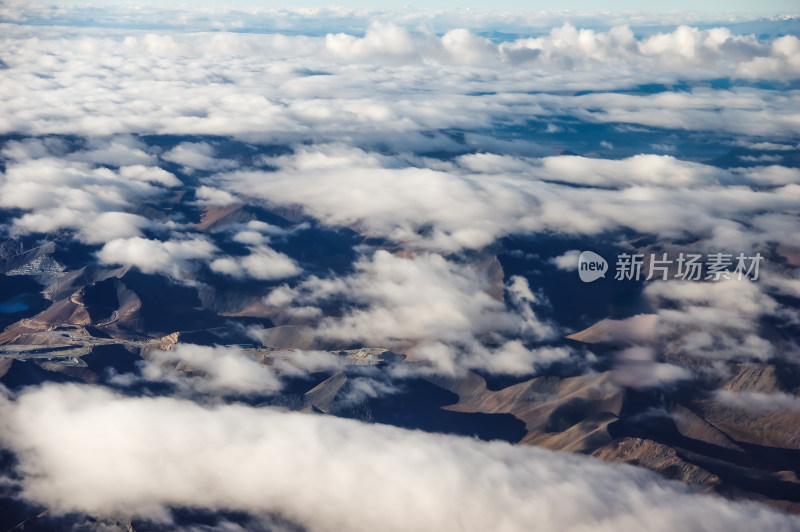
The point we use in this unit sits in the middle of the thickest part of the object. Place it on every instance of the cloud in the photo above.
(418, 297)
(771, 146)
(707, 321)
(658, 170)
(155, 256)
(223, 370)
(723, 303)
(85, 449)
(522, 299)
(718, 320)
(213, 196)
(301, 362)
(115, 151)
(462, 46)
(167, 80)
(63, 189)
(489, 196)
(437, 310)
(110, 226)
(388, 202)
(781, 63)
(34, 148)
(196, 156)
(770, 175)
(313, 21)
(568, 261)
(636, 367)
(382, 41)
(59, 194)
(263, 263)
(152, 174)
(757, 401)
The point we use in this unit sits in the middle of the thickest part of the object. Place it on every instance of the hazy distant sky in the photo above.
(741, 6)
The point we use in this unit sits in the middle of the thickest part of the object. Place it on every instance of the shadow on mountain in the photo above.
(104, 358)
(751, 470)
(21, 373)
(419, 406)
(169, 307)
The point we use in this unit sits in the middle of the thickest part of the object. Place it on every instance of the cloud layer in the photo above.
(489, 196)
(85, 449)
(138, 82)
